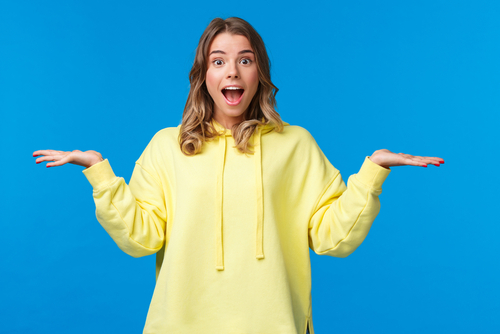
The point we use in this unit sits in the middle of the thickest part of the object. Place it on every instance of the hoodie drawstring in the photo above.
(259, 253)
(218, 209)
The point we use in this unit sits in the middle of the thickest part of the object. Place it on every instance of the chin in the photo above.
(235, 114)
(232, 112)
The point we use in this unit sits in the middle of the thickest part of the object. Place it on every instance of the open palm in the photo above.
(76, 157)
(386, 158)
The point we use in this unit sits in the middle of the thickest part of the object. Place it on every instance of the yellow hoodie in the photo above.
(232, 231)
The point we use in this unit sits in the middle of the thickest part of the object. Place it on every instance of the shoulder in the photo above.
(303, 142)
(297, 147)
(298, 131)
(169, 133)
(162, 142)
(294, 142)
(164, 138)
(298, 135)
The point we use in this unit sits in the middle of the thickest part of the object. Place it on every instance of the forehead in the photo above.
(230, 43)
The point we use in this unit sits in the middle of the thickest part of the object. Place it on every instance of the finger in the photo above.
(409, 155)
(428, 160)
(412, 160)
(56, 155)
(44, 152)
(415, 157)
(431, 160)
(45, 158)
(434, 159)
(419, 158)
(438, 160)
(59, 162)
(415, 162)
(435, 162)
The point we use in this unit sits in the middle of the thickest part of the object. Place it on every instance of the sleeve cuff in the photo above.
(100, 174)
(372, 175)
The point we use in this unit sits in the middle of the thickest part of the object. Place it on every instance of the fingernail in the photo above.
(38, 162)
(48, 166)
(424, 166)
(442, 161)
(35, 155)
(437, 165)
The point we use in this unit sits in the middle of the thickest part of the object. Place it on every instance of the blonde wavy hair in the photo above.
(196, 127)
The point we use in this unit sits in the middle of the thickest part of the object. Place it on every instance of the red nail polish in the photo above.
(38, 162)
(424, 166)
(437, 165)
(35, 155)
(442, 162)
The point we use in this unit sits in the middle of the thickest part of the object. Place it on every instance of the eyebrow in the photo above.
(241, 52)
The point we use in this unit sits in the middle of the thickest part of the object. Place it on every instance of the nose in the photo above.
(232, 71)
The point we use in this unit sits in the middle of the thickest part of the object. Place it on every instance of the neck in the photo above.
(227, 121)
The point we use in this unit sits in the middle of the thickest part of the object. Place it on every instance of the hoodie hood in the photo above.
(259, 187)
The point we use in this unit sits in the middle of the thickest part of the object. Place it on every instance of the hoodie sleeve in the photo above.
(342, 216)
(134, 215)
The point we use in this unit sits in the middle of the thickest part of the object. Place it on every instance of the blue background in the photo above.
(416, 77)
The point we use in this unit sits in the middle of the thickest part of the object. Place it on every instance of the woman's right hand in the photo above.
(76, 157)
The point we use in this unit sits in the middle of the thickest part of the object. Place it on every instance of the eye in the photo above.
(217, 62)
(246, 61)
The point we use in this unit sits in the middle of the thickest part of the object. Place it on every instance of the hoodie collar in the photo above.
(259, 188)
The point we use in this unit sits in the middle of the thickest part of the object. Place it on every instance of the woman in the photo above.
(231, 199)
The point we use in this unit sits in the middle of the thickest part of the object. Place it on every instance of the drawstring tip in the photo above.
(260, 256)
(220, 268)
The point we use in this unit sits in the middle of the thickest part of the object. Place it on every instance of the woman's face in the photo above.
(232, 77)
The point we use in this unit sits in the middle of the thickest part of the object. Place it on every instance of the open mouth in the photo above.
(233, 95)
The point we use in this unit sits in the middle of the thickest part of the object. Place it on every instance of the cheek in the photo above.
(212, 83)
(253, 81)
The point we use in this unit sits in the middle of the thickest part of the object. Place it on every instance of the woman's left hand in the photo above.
(386, 159)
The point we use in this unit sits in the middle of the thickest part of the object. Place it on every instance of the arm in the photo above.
(343, 215)
(134, 215)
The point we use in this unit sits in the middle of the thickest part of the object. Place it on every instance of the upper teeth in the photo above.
(232, 88)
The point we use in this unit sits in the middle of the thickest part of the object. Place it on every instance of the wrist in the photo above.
(96, 161)
(375, 160)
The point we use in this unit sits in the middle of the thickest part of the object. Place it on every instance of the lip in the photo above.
(232, 86)
(235, 103)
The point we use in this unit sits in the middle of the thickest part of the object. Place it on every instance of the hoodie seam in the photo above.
(150, 174)
(162, 191)
(350, 230)
(315, 207)
(107, 185)
(130, 238)
(372, 189)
